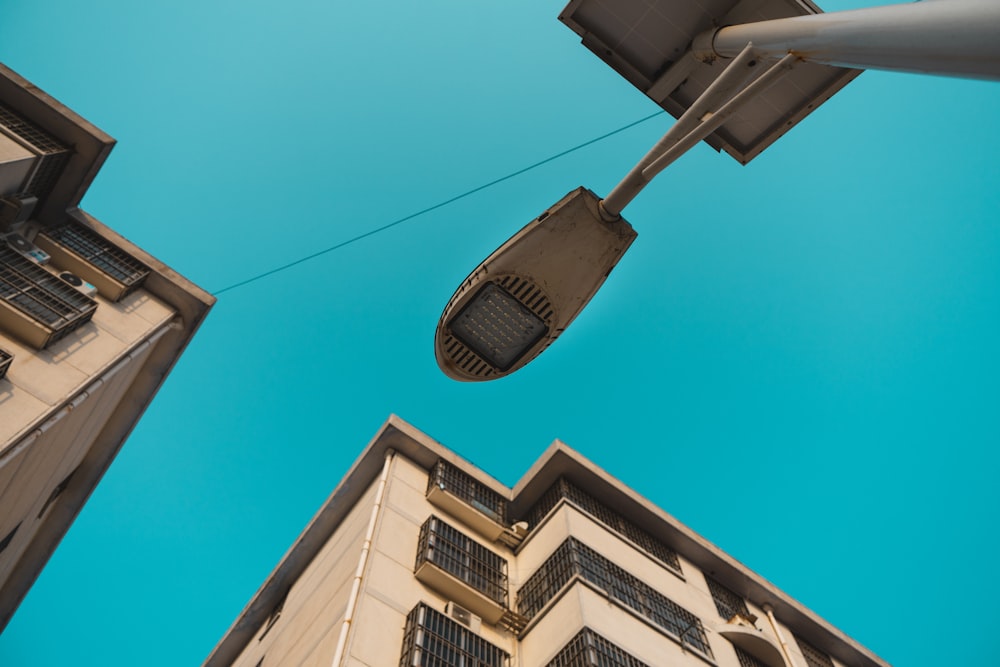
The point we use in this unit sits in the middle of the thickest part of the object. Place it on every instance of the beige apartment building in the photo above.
(420, 558)
(90, 325)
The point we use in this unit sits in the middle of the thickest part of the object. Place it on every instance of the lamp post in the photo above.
(518, 300)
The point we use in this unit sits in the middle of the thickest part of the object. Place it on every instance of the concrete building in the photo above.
(420, 558)
(89, 327)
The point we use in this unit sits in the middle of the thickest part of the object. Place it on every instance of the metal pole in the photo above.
(950, 37)
(713, 121)
(723, 88)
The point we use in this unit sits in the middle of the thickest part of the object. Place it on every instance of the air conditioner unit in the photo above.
(27, 249)
(79, 283)
(464, 616)
(78, 248)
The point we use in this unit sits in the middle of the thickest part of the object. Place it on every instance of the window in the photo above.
(53, 154)
(814, 657)
(613, 520)
(573, 558)
(431, 639)
(449, 478)
(727, 602)
(113, 271)
(589, 649)
(747, 660)
(463, 557)
(29, 291)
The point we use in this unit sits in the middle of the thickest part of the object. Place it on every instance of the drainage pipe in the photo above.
(352, 601)
(769, 610)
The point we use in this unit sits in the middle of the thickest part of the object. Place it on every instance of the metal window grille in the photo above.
(814, 657)
(54, 155)
(747, 660)
(41, 296)
(574, 558)
(100, 253)
(562, 488)
(431, 639)
(727, 602)
(463, 557)
(5, 360)
(464, 486)
(589, 649)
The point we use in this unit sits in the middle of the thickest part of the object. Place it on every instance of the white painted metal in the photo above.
(708, 113)
(352, 601)
(950, 37)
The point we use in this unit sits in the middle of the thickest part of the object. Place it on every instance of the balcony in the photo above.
(462, 570)
(431, 638)
(35, 305)
(471, 502)
(114, 272)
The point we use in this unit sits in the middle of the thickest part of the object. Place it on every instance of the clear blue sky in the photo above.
(809, 341)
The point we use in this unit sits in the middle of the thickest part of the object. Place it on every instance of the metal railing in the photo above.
(589, 649)
(431, 639)
(573, 558)
(464, 558)
(727, 602)
(563, 488)
(461, 485)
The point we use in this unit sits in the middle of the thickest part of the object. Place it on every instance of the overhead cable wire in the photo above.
(411, 216)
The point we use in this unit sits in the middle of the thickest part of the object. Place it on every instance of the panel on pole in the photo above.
(647, 42)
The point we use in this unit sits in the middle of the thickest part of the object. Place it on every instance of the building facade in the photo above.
(90, 325)
(420, 558)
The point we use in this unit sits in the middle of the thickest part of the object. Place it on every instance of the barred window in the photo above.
(54, 155)
(42, 297)
(463, 557)
(727, 602)
(101, 254)
(573, 558)
(5, 360)
(814, 657)
(747, 660)
(431, 639)
(563, 488)
(449, 478)
(589, 649)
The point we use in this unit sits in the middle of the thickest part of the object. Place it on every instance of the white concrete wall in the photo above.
(390, 590)
(37, 386)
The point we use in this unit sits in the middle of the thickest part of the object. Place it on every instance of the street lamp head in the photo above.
(514, 304)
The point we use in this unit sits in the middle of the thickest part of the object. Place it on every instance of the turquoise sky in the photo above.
(797, 358)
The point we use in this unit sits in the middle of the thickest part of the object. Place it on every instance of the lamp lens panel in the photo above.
(497, 327)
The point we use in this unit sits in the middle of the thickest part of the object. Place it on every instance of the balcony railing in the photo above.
(575, 559)
(431, 639)
(465, 487)
(35, 305)
(589, 649)
(563, 488)
(464, 559)
(727, 603)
